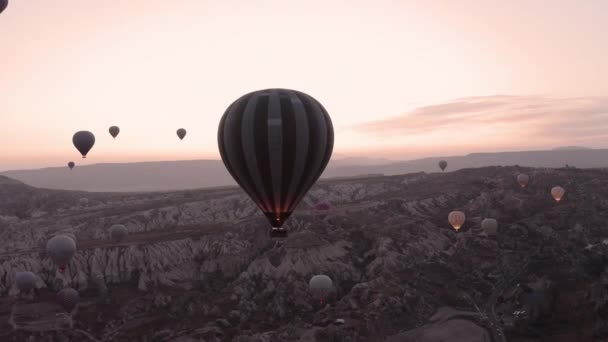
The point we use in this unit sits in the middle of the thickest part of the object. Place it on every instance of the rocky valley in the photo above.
(198, 265)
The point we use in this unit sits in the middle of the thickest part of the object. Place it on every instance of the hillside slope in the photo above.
(194, 174)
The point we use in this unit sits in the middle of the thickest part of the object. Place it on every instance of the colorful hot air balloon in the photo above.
(276, 143)
(114, 130)
(118, 232)
(490, 226)
(83, 141)
(557, 192)
(456, 219)
(26, 281)
(61, 249)
(71, 165)
(68, 298)
(181, 133)
(523, 179)
(3, 4)
(443, 164)
(320, 287)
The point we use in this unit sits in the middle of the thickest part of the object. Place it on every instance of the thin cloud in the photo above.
(542, 117)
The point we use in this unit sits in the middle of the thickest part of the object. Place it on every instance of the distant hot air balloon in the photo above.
(83, 141)
(523, 179)
(456, 219)
(118, 232)
(26, 281)
(323, 206)
(114, 130)
(276, 143)
(320, 287)
(557, 192)
(3, 4)
(443, 164)
(68, 298)
(71, 165)
(61, 249)
(83, 202)
(181, 133)
(490, 226)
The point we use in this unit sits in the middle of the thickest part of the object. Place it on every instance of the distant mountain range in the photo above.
(181, 175)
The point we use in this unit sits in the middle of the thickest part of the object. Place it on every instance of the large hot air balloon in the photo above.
(68, 298)
(26, 281)
(181, 133)
(523, 179)
(118, 232)
(320, 287)
(557, 192)
(276, 143)
(61, 249)
(3, 4)
(83, 141)
(71, 165)
(443, 164)
(456, 219)
(114, 130)
(490, 226)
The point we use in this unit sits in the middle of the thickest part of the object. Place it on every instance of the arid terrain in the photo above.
(198, 265)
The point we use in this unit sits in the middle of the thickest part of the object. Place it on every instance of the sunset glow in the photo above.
(401, 79)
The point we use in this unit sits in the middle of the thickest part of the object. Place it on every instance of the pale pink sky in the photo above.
(401, 79)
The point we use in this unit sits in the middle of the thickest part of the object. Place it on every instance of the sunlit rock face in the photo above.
(199, 265)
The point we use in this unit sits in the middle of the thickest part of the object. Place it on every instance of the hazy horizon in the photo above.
(401, 80)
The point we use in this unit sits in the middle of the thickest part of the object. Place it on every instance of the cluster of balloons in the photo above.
(61, 250)
(85, 140)
(275, 143)
(490, 225)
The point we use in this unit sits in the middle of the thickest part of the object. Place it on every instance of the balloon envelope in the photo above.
(320, 286)
(26, 281)
(61, 249)
(71, 165)
(83, 141)
(114, 130)
(443, 164)
(490, 226)
(181, 133)
(3, 4)
(523, 179)
(456, 219)
(557, 192)
(68, 298)
(276, 143)
(118, 232)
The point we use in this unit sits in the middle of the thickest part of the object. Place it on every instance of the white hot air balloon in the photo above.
(320, 287)
(26, 281)
(490, 226)
(61, 249)
(118, 232)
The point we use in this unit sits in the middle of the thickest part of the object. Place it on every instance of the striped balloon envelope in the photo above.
(276, 143)
(68, 298)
